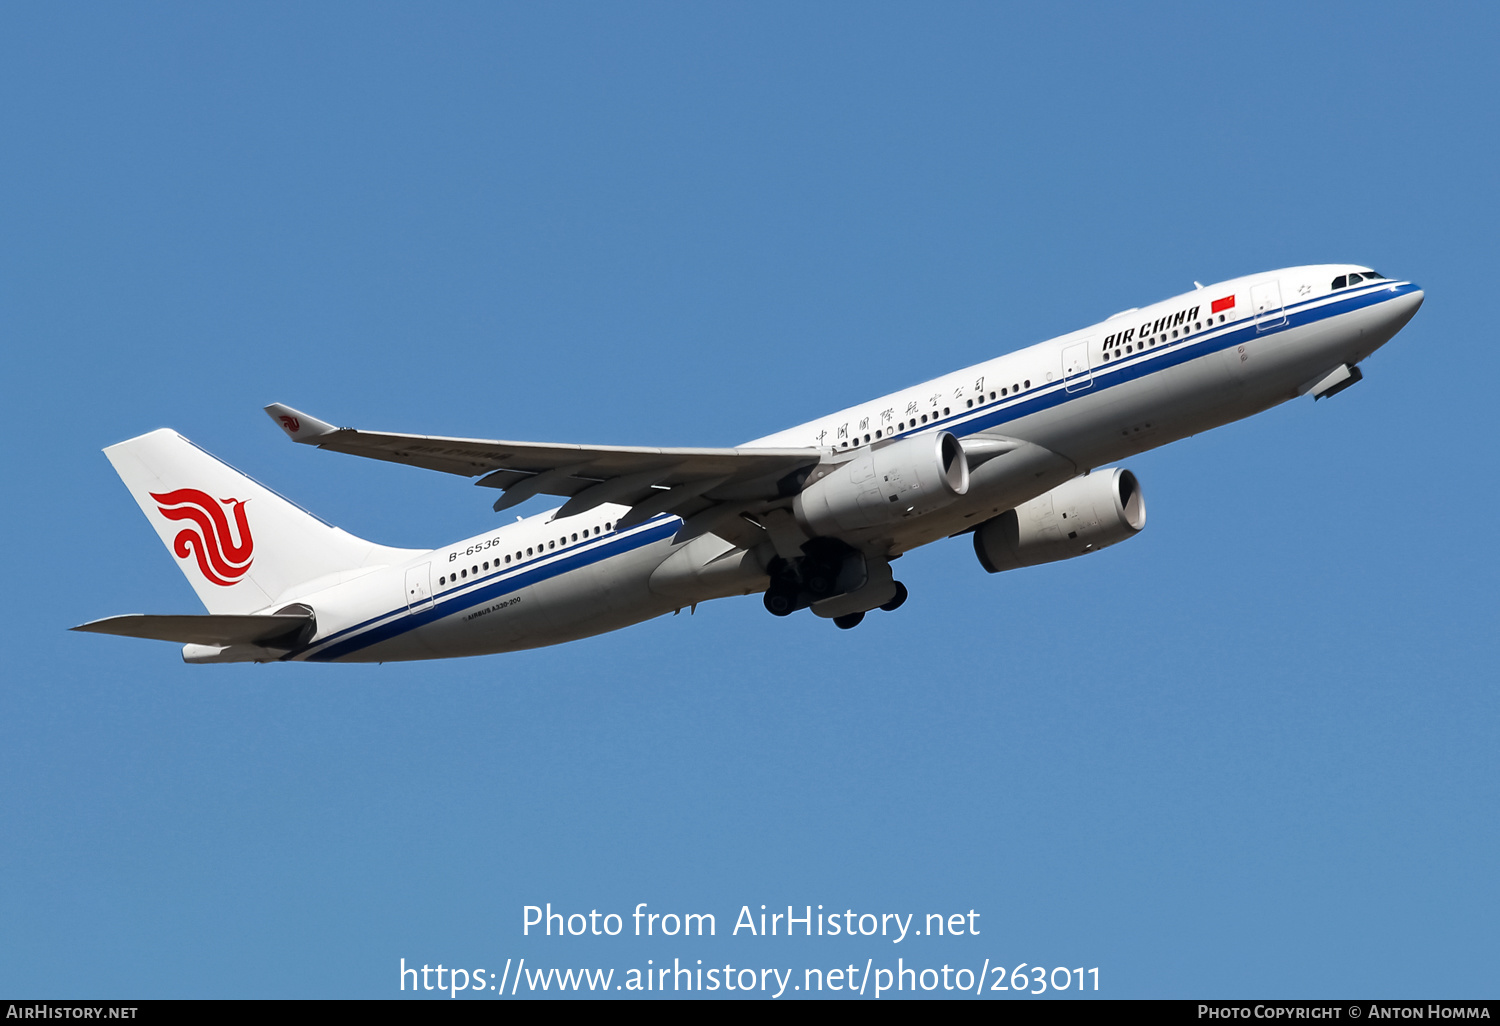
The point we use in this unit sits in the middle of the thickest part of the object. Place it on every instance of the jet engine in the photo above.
(1077, 517)
(884, 485)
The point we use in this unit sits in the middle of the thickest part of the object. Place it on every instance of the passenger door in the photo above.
(419, 588)
(1265, 304)
(1075, 362)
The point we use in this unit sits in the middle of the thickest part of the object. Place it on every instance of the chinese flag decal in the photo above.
(1220, 305)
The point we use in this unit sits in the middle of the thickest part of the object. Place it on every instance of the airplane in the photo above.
(1008, 451)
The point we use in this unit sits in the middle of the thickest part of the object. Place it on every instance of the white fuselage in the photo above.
(1133, 382)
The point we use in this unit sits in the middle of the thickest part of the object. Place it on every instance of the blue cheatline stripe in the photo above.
(1131, 368)
(398, 621)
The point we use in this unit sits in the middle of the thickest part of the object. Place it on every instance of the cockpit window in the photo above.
(1345, 280)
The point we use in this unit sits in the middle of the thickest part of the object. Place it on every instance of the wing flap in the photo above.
(524, 469)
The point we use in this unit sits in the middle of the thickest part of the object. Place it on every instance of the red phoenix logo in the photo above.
(290, 423)
(221, 558)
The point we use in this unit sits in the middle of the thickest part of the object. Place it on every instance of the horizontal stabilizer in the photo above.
(221, 629)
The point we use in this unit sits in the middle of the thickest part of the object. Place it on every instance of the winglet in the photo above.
(300, 426)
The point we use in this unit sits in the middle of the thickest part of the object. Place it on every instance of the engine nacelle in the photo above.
(885, 485)
(1077, 517)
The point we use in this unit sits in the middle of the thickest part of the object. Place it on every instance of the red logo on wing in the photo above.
(221, 558)
(291, 423)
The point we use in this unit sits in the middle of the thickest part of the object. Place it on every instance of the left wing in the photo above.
(682, 482)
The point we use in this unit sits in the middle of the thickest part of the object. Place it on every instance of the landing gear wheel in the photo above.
(896, 599)
(779, 603)
(821, 565)
(848, 620)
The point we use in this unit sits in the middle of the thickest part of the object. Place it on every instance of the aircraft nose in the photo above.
(1398, 310)
(1405, 306)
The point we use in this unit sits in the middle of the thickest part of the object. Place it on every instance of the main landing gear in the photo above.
(851, 620)
(828, 570)
(779, 602)
(827, 567)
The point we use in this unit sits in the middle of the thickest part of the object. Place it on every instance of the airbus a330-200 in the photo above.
(1008, 452)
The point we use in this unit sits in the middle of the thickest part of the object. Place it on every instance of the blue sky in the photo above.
(1252, 752)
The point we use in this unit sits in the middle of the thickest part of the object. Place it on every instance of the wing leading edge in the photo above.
(652, 481)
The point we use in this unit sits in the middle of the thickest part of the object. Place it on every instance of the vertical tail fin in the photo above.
(240, 545)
